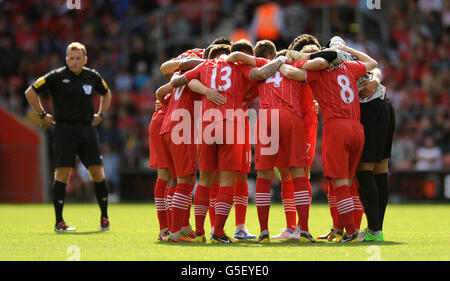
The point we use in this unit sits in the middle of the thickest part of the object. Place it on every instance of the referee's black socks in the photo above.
(101, 193)
(59, 194)
(368, 193)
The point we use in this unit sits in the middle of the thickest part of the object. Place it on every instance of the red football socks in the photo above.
(160, 203)
(345, 208)
(240, 200)
(287, 197)
(302, 200)
(201, 205)
(223, 207)
(262, 198)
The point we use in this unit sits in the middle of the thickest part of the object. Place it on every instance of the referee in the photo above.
(72, 89)
(378, 120)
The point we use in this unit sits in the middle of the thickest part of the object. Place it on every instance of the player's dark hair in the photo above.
(244, 46)
(265, 49)
(221, 40)
(219, 50)
(302, 41)
(207, 51)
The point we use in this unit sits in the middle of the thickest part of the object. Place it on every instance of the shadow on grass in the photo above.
(284, 244)
(76, 232)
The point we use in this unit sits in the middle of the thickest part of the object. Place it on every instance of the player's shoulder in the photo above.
(91, 71)
(57, 71)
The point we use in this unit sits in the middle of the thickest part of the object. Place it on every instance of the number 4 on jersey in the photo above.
(276, 79)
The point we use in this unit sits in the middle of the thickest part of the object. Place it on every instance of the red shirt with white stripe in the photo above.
(335, 89)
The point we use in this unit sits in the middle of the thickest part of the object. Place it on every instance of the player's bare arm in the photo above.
(178, 80)
(169, 67)
(295, 55)
(242, 57)
(369, 62)
(105, 102)
(371, 85)
(316, 64)
(190, 63)
(163, 91)
(267, 70)
(35, 102)
(293, 73)
(211, 94)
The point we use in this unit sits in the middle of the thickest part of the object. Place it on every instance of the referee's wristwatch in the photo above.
(42, 114)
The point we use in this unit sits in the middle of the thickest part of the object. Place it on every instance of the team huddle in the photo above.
(202, 122)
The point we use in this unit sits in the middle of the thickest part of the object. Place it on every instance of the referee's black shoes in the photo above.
(63, 227)
(104, 224)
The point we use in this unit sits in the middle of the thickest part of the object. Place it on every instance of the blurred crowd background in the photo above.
(128, 40)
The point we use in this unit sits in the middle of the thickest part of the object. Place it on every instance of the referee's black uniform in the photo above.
(74, 134)
(73, 111)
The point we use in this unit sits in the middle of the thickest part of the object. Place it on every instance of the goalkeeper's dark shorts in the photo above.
(70, 140)
(378, 120)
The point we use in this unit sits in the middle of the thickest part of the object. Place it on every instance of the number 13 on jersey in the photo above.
(224, 76)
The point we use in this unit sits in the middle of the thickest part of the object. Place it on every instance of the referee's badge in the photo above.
(87, 89)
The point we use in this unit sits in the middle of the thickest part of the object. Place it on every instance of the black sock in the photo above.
(369, 198)
(101, 193)
(383, 194)
(59, 194)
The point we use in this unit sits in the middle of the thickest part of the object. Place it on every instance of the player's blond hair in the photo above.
(242, 45)
(76, 46)
(310, 49)
(219, 50)
(265, 49)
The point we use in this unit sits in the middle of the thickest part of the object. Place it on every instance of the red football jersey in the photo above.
(306, 95)
(198, 52)
(278, 91)
(181, 100)
(336, 91)
(225, 77)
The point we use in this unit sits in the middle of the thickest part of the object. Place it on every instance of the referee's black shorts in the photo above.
(70, 140)
(378, 119)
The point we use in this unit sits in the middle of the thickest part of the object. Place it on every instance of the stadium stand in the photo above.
(414, 59)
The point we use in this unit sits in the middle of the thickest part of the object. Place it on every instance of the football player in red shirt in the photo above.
(279, 97)
(164, 180)
(218, 152)
(343, 136)
(165, 184)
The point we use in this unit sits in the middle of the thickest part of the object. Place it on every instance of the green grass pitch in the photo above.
(418, 232)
